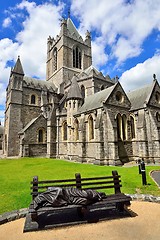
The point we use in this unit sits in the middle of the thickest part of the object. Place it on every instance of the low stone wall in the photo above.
(13, 215)
(144, 197)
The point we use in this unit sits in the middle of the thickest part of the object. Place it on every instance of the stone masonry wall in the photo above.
(31, 138)
(15, 125)
(30, 111)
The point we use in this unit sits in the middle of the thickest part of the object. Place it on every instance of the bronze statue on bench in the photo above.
(78, 193)
(57, 196)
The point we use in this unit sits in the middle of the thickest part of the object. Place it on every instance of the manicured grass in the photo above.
(16, 174)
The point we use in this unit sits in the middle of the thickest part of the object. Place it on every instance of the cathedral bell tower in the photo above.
(67, 55)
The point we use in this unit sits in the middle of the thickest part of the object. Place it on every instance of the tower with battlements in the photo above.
(67, 55)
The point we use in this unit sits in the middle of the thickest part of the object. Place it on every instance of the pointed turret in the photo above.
(18, 67)
(74, 91)
(63, 27)
(16, 77)
(88, 38)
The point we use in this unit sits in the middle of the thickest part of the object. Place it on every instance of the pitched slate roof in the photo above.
(39, 83)
(28, 125)
(140, 97)
(96, 100)
(18, 67)
(74, 92)
(91, 71)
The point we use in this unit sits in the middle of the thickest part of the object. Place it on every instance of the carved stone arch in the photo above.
(102, 87)
(33, 99)
(41, 135)
(157, 114)
(77, 45)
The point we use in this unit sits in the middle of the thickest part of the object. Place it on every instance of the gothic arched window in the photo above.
(55, 59)
(83, 91)
(91, 127)
(64, 131)
(77, 57)
(76, 128)
(40, 135)
(33, 99)
(158, 116)
(132, 127)
(119, 126)
(124, 127)
(102, 87)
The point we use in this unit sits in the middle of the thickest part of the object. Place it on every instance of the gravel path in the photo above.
(145, 226)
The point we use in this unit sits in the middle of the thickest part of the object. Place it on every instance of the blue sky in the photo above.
(125, 37)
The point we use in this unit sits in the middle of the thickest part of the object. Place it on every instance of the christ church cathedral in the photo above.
(77, 113)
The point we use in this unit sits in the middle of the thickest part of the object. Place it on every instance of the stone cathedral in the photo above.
(77, 113)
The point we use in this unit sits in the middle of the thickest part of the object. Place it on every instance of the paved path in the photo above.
(156, 176)
(145, 226)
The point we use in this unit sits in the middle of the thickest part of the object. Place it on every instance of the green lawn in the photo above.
(16, 174)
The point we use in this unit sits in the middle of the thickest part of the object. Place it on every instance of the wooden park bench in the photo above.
(116, 200)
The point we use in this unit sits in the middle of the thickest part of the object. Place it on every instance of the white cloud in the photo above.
(5, 71)
(8, 49)
(125, 49)
(141, 74)
(124, 26)
(28, 5)
(98, 52)
(7, 22)
(43, 20)
(3, 94)
(2, 117)
(30, 43)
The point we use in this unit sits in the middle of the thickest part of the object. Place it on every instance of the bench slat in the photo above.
(99, 183)
(55, 181)
(73, 180)
(74, 185)
(59, 185)
(98, 178)
(105, 187)
(94, 188)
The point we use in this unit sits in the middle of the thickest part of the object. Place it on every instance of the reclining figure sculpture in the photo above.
(56, 196)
